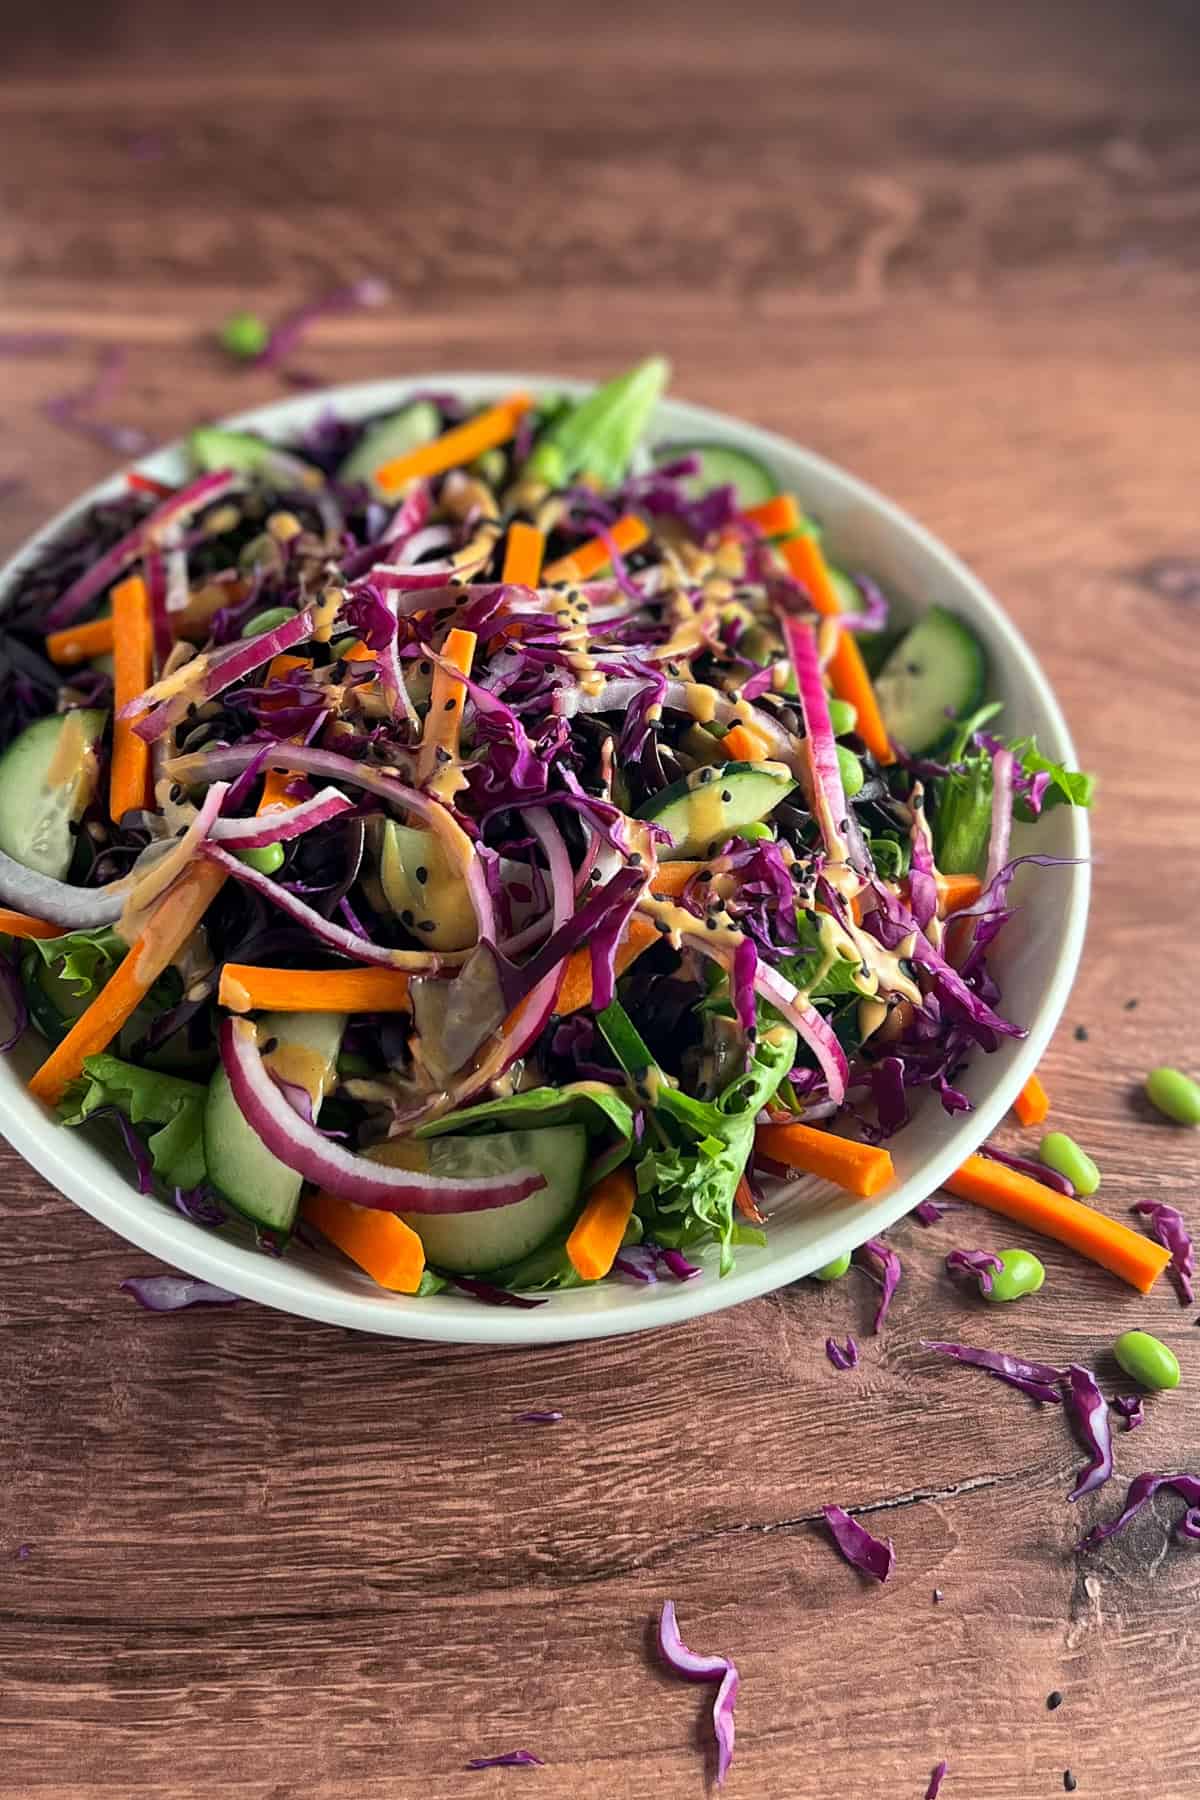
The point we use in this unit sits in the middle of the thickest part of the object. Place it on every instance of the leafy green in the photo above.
(1068, 787)
(964, 816)
(891, 856)
(821, 967)
(598, 1108)
(146, 1096)
(87, 958)
(598, 435)
(695, 1151)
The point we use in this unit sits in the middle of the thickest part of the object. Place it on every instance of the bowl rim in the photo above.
(52, 1151)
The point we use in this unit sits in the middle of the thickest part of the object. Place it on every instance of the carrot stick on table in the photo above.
(1032, 1104)
(22, 925)
(170, 925)
(775, 516)
(589, 558)
(389, 1250)
(486, 431)
(129, 782)
(247, 988)
(847, 672)
(79, 643)
(443, 721)
(860, 1168)
(1136, 1259)
(597, 1233)
(523, 554)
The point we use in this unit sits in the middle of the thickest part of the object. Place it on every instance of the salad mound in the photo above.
(495, 845)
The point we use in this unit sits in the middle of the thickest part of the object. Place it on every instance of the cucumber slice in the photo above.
(47, 778)
(711, 804)
(250, 1177)
(935, 674)
(848, 595)
(405, 430)
(473, 1243)
(417, 879)
(721, 466)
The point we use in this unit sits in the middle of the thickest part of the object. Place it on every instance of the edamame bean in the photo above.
(843, 716)
(1021, 1273)
(852, 771)
(244, 334)
(833, 1271)
(1174, 1094)
(1147, 1360)
(755, 833)
(1061, 1153)
(267, 620)
(266, 861)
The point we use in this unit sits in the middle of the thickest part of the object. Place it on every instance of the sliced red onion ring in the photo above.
(78, 909)
(302, 1148)
(279, 824)
(828, 794)
(213, 675)
(1003, 764)
(814, 1029)
(694, 1667)
(147, 534)
(338, 937)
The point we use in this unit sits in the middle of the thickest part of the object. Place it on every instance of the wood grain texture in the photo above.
(959, 251)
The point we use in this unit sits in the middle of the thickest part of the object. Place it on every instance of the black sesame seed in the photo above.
(635, 858)
(426, 925)
(711, 924)
(1054, 1701)
(424, 667)
(661, 898)
(176, 793)
(594, 877)
(271, 1044)
(1130, 1005)
(450, 706)
(1081, 1034)
(1069, 1781)
(443, 755)
(661, 925)
(726, 796)
(704, 874)
(422, 874)
(752, 1033)
(406, 917)
(706, 775)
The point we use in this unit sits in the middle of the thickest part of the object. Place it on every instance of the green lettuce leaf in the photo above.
(86, 958)
(598, 435)
(146, 1097)
(1068, 787)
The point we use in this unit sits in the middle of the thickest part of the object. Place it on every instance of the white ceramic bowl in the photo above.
(1035, 959)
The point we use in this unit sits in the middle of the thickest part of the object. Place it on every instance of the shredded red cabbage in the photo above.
(511, 1759)
(888, 1276)
(842, 1358)
(369, 291)
(1038, 1380)
(16, 1010)
(931, 1211)
(869, 1555)
(1131, 1408)
(539, 1418)
(694, 1667)
(1088, 1412)
(171, 1293)
(979, 1265)
(1170, 1229)
(936, 1780)
(1037, 1171)
(1142, 1489)
(491, 1295)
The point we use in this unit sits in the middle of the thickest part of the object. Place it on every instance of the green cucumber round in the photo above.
(935, 674)
(723, 466)
(47, 779)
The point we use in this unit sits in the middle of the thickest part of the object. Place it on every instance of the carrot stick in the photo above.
(1032, 1104)
(170, 925)
(487, 431)
(589, 558)
(670, 878)
(245, 988)
(277, 781)
(523, 554)
(79, 643)
(957, 891)
(129, 784)
(744, 1200)
(775, 516)
(576, 989)
(443, 721)
(389, 1250)
(742, 743)
(860, 1168)
(21, 925)
(596, 1235)
(1136, 1259)
(847, 672)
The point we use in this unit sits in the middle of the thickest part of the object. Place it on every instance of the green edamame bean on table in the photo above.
(1147, 1360)
(1021, 1273)
(1174, 1094)
(1062, 1153)
(833, 1271)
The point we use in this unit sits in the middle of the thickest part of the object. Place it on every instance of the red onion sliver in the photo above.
(692, 1667)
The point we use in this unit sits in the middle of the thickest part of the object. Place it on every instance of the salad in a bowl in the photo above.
(493, 845)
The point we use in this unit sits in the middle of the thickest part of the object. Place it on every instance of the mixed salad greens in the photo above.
(493, 845)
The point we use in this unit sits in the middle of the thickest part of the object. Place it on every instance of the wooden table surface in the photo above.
(958, 249)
